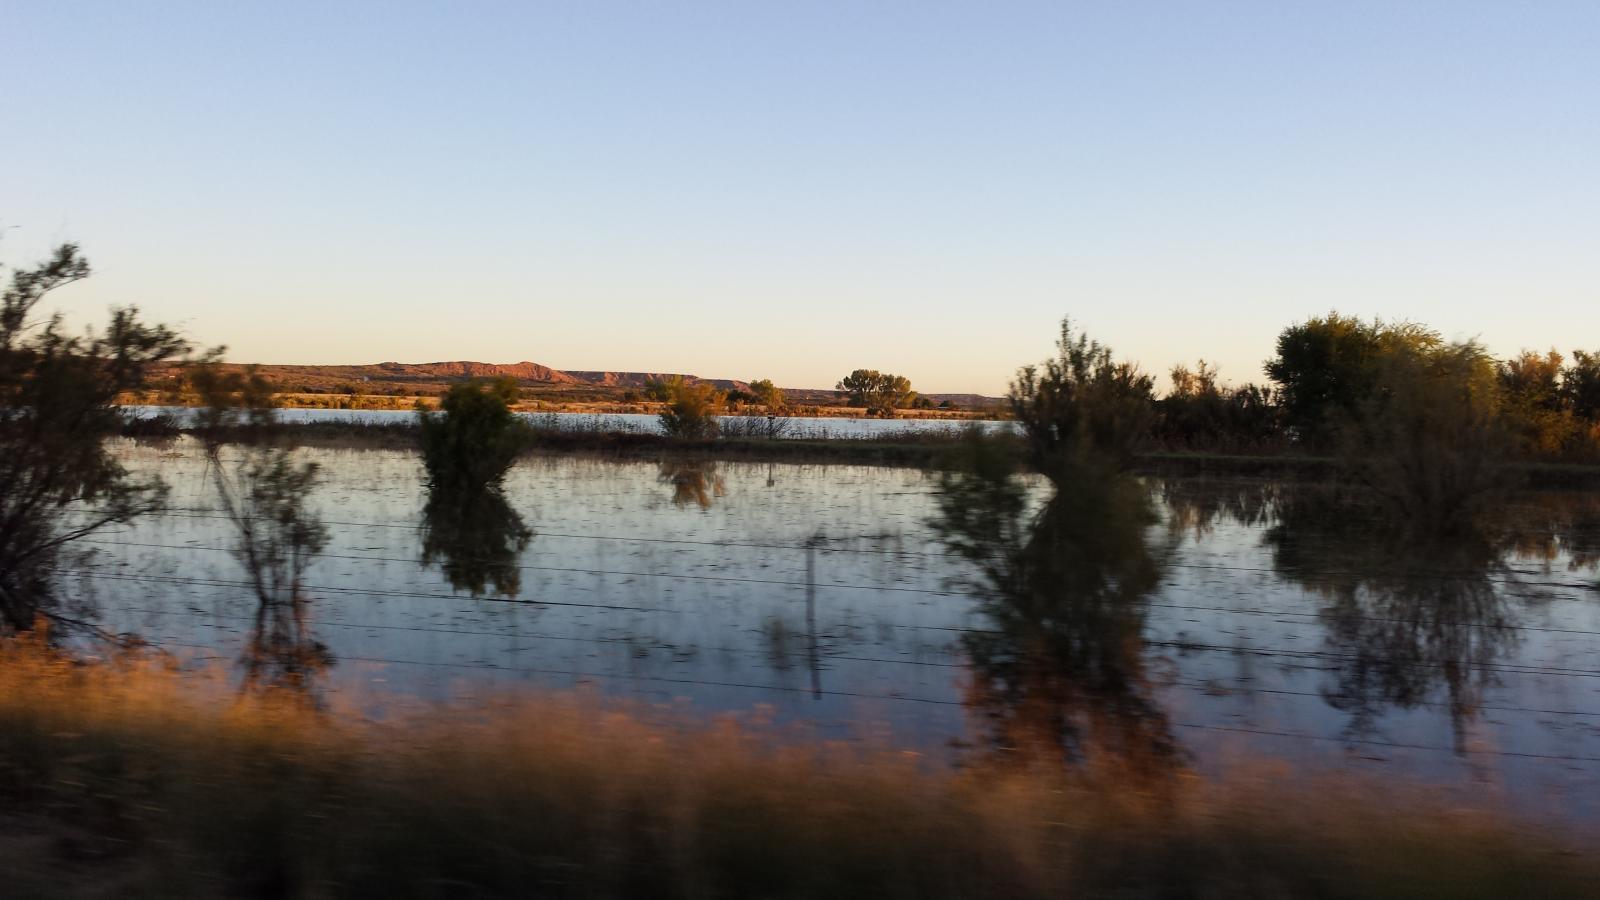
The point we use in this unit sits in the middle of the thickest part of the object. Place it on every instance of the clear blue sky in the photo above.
(792, 190)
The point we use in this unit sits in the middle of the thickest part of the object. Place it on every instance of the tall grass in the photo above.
(130, 779)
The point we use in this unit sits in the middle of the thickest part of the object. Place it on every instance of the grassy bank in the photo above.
(130, 780)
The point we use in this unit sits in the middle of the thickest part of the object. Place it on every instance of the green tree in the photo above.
(881, 393)
(1535, 408)
(1326, 367)
(1580, 386)
(691, 409)
(471, 442)
(657, 389)
(58, 395)
(1083, 408)
(1430, 435)
(767, 394)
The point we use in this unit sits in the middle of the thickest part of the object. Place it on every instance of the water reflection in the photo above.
(476, 539)
(281, 651)
(1406, 615)
(1552, 526)
(1060, 671)
(1195, 505)
(276, 538)
(693, 482)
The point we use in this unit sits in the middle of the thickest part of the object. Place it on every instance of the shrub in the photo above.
(767, 394)
(58, 397)
(1082, 408)
(691, 409)
(472, 441)
(1429, 436)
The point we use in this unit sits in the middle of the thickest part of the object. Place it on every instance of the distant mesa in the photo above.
(461, 370)
(639, 379)
(522, 371)
(433, 375)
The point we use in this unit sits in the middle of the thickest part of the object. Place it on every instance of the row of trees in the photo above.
(1422, 421)
(1332, 374)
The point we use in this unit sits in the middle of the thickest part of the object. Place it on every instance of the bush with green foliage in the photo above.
(691, 409)
(658, 389)
(1082, 409)
(1200, 413)
(1326, 367)
(767, 394)
(1580, 386)
(470, 443)
(1429, 436)
(1534, 408)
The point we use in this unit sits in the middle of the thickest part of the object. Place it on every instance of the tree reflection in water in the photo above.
(264, 491)
(1407, 613)
(1059, 671)
(476, 539)
(277, 537)
(693, 481)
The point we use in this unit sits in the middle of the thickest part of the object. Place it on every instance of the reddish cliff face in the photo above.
(522, 371)
(639, 379)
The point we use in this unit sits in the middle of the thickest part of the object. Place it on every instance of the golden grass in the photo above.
(127, 778)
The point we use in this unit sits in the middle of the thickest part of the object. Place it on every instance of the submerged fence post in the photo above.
(811, 615)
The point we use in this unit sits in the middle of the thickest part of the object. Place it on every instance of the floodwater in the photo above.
(787, 427)
(1179, 622)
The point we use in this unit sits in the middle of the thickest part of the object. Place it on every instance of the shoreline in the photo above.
(907, 449)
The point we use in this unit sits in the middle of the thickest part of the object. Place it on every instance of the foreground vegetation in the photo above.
(129, 779)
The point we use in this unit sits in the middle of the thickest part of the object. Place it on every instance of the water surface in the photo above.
(1180, 622)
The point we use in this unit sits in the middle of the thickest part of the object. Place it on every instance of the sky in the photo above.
(795, 190)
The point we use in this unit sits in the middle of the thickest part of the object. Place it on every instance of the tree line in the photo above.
(1333, 377)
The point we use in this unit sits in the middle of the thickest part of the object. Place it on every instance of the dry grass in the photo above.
(128, 779)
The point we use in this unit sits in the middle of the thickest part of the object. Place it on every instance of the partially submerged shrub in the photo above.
(264, 494)
(691, 409)
(471, 442)
(1201, 413)
(1082, 409)
(1429, 438)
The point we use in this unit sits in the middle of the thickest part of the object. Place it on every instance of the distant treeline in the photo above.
(1333, 374)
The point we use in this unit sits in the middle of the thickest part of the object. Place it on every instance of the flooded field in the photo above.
(1179, 623)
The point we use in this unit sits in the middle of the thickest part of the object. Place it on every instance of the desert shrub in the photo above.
(756, 427)
(58, 395)
(1533, 405)
(1200, 413)
(1082, 409)
(1429, 437)
(691, 409)
(471, 442)
(767, 394)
